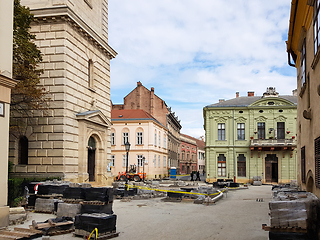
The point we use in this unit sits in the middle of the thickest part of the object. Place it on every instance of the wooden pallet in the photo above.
(101, 236)
(20, 233)
(54, 232)
(284, 229)
(49, 224)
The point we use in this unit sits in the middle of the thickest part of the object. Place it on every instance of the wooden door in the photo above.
(91, 164)
(268, 171)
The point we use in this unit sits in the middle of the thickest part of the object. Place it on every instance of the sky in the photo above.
(195, 52)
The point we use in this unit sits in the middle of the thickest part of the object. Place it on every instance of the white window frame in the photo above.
(124, 158)
(155, 161)
(159, 163)
(221, 131)
(112, 160)
(139, 138)
(125, 137)
(165, 142)
(139, 160)
(164, 161)
(155, 139)
(159, 140)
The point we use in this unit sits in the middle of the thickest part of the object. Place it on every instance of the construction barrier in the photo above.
(173, 191)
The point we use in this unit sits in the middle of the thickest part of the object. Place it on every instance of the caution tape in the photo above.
(173, 191)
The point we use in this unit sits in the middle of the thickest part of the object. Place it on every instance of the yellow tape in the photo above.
(172, 191)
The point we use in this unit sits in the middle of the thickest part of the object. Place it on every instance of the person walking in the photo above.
(203, 171)
(198, 176)
(191, 176)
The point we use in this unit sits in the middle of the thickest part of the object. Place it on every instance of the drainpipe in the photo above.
(234, 159)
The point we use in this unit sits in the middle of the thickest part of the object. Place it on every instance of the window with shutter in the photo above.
(303, 165)
(317, 161)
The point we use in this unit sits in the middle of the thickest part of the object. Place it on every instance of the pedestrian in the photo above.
(203, 171)
(198, 176)
(191, 176)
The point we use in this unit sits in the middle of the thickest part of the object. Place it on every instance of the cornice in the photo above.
(7, 82)
(64, 13)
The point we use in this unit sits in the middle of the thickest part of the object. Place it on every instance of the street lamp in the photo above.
(143, 159)
(127, 146)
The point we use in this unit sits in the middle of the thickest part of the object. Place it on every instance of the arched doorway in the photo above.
(310, 184)
(271, 163)
(91, 159)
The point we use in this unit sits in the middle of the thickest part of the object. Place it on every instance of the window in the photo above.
(23, 150)
(261, 130)
(165, 142)
(240, 131)
(112, 160)
(280, 130)
(113, 140)
(139, 160)
(221, 131)
(182, 156)
(241, 165)
(221, 165)
(155, 139)
(187, 156)
(303, 63)
(125, 137)
(159, 140)
(155, 161)
(303, 164)
(90, 73)
(159, 161)
(164, 161)
(316, 26)
(124, 158)
(317, 161)
(139, 138)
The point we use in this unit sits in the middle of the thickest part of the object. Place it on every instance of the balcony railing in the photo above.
(273, 142)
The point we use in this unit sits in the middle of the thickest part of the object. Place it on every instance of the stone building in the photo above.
(303, 47)
(188, 154)
(71, 139)
(6, 84)
(252, 136)
(142, 98)
(148, 139)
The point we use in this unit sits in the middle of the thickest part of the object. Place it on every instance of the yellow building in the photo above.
(303, 53)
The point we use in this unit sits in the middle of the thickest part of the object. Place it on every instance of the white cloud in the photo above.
(199, 51)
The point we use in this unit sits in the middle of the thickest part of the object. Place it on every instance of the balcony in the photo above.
(272, 144)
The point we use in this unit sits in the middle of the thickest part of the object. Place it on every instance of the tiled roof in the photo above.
(200, 144)
(246, 101)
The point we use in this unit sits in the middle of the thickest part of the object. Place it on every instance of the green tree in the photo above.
(27, 96)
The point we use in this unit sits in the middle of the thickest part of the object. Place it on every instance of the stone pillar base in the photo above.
(4, 216)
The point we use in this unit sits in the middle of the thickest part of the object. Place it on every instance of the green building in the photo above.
(252, 136)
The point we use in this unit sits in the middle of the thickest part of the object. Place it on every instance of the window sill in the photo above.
(92, 89)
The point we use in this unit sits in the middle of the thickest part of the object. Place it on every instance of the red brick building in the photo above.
(188, 154)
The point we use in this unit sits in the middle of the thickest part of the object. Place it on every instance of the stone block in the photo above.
(44, 27)
(48, 129)
(42, 153)
(45, 205)
(31, 169)
(47, 160)
(58, 27)
(57, 73)
(34, 160)
(257, 183)
(68, 210)
(57, 58)
(50, 35)
(41, 169)
(55, 169)
(57, 161)
(44, 43)
(57, 42)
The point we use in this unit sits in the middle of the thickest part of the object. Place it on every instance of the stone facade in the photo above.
(142, 98)
(148, 139)
(72, 36)
(304, 51)
(252, 136)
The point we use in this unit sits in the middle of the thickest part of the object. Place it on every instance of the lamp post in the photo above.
(127, 146)
(143, 159)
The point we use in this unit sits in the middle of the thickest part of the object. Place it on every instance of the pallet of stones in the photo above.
(20, 233)
(105, 223)
(54, 226)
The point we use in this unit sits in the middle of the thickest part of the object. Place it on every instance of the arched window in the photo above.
(23, 150)
(92, 143)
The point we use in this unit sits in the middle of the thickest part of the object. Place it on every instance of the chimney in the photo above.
(237, 94)
(139, 84)
(294, 93)
(221, 100)
(250, 94)
(152, 101)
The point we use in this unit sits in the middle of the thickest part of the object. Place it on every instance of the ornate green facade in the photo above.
(252, 136)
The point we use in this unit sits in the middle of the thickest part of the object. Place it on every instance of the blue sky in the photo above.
(196, 52)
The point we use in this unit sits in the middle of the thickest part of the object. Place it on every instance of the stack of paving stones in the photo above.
(90, 207)
(257, 181)
(292, 209)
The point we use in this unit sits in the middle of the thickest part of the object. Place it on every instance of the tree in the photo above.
(27, 96)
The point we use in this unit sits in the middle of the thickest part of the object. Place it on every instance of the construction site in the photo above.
(170, 209)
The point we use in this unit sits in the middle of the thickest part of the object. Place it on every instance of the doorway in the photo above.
(91, 159)
(271, 171)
